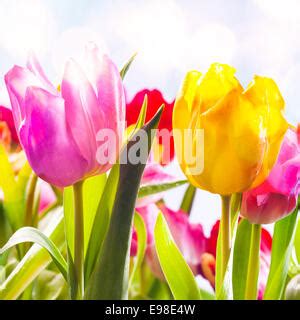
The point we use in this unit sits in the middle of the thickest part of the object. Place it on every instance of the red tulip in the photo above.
(7, 117)
(155, 100)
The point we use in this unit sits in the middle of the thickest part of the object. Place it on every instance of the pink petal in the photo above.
(83, 113)
(49, 147)
(277, 196)
(34, 66)
(110, 91)
(48, 196)
(17, 80)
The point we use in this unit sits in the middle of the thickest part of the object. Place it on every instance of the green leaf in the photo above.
(101, 221)
(92, 191)
(48, 286)
(142, 115)
(241, 259)
(29, 234)
(127, 66)
(159, 290)
(242, 266)
(5, 231)
(297, 241)
(158, 188)
(187, 201)
(206, 295)
(109, 279)
(141, 231)
(225, 291)
(282, 245)
(35, 260)
(23, 176)
(177, 273)
(14, 197)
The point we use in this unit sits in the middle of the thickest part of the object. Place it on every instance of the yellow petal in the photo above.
(215, 84)
(265, 95)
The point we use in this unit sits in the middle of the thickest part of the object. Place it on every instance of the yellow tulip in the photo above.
(242, 129)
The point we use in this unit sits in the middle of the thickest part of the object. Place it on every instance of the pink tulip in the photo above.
(58, 129)
(277, 196)
(189, 237)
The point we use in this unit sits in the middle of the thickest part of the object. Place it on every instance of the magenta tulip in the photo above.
(277, 196)
(58, 130)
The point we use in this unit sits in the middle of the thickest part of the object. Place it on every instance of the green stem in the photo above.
(253, 264)
(188, 199)
(235, 206)
(225, 226)
(78, 239)
(29, 211)
(30, 200)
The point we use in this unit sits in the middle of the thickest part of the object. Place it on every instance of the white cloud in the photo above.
(167, 41)
(284, 10)
(71, 43)
(25, 25)
(155, 29)
(210, 43)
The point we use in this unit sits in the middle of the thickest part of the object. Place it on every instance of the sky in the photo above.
(171, 37)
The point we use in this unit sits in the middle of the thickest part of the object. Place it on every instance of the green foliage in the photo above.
(282, 246)
(178, 274)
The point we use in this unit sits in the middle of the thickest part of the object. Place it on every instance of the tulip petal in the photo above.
(34, 66)
(277, 195)
(49, 146)
(83, 113)
(47, 197)
(226, 145)
(265, 95)
(17, 80)
(110, 92)
(155, 100)
(215, 84)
